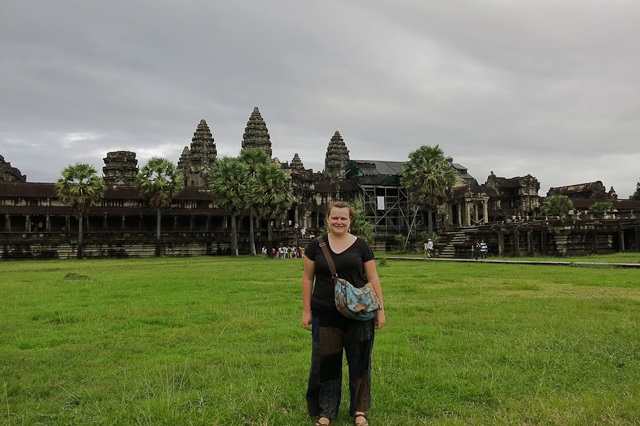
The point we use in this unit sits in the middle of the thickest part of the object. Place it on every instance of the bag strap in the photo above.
(327, 256)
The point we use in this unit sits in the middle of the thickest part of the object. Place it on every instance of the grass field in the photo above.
(218, 341)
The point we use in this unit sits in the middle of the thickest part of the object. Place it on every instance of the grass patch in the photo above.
(217, 341)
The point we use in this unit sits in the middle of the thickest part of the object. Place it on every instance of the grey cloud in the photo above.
(546, 87)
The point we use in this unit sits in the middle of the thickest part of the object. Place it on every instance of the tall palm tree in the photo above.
(253, 157)
(270, 193)
(81, 188)
(228, 184)
(158, 181)
(429, 178)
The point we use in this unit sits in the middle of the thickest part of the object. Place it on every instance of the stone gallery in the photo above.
(505, 212)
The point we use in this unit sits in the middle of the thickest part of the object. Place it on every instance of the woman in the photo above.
(331, 331)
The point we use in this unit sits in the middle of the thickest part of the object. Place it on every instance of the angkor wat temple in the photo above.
(505, 212)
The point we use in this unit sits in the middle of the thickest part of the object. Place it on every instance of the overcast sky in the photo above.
(549, 88)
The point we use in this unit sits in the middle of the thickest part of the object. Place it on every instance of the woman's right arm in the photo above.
(307, 288)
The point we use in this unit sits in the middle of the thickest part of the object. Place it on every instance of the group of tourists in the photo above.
(479, 250)
(285, 252)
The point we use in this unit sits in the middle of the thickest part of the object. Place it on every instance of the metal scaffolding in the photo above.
(388, 209)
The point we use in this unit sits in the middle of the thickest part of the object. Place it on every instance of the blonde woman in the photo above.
(332, 333)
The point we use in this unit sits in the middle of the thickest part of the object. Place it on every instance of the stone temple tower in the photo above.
(256, 134)
(296, 163)
(120, 168)
(195, 162)
(337, 158)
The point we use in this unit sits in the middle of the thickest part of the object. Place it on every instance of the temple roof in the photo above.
(374, 172)
(587, 190)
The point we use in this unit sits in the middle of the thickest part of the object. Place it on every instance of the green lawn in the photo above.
(218, 341)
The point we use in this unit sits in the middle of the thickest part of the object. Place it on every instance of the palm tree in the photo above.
(557, 205)
(429, 178)
(253, 157)
(81, 188)
(270, 193)
(636, 195)
(360, 226)
(228, 184)
(158, 181)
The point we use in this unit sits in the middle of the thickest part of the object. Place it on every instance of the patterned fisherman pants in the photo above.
(329, 337)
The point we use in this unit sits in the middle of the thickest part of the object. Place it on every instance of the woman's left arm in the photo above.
(372, 276)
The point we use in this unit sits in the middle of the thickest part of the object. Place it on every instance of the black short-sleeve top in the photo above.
(349, 266)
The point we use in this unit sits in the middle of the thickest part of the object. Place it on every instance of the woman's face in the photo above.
(339, 220)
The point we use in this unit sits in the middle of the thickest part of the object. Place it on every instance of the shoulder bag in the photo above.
(352, 302)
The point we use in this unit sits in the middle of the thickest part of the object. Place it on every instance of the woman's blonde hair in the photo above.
(342, 205)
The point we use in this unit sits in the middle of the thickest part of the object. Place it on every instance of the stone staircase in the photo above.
(454, 239)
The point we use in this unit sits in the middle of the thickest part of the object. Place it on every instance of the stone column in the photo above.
(500, 243)
(621, 240)
(467, 209)
(7, 224)
(485, 211)
(105, 226)
(475, 212)
(47, 222)
(123, 223)
(27, 223)
(516, 242)
(529, 243)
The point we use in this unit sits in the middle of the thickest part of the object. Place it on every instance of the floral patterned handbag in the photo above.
(352, 302)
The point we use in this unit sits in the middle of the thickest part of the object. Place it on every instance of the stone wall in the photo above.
(126, 244)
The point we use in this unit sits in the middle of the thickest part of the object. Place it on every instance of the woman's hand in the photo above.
(379, 321)
(306, 320)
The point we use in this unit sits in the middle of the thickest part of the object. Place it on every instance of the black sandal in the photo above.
(361, 423)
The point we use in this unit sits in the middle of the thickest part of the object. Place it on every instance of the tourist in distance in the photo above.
(331, 331)
(483, 250)
(428, 249)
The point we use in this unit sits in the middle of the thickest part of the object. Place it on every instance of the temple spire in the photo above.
(120, 168)
(337, 158)
(256, 134)
(196, 162)
(296, 163)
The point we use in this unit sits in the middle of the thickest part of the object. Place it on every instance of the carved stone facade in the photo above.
(196, 161)
(511, 198)
(120, 168)
(256, 134)
(337, 158)
(10, 174)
